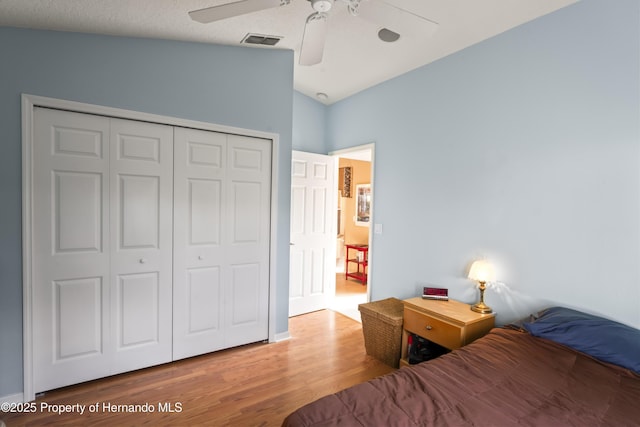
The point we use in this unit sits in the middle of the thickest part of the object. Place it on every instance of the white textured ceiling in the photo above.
(354, 58)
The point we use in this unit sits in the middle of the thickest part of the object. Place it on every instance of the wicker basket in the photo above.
(382, 329)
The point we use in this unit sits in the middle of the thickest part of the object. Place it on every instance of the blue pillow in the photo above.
(601, 338)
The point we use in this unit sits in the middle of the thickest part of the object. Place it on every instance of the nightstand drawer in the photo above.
(443, 333)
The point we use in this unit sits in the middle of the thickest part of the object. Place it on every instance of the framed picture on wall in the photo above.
(363, 204)
(344, 181)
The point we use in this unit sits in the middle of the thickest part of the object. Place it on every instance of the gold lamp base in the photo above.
(481, 308)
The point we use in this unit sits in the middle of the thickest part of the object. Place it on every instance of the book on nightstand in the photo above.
(440, 294)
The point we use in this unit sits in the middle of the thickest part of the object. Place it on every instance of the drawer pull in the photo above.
(429, 327)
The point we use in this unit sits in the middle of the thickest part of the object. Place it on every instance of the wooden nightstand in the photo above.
(451, 323)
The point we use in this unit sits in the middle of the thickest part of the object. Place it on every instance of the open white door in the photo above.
(313, 234)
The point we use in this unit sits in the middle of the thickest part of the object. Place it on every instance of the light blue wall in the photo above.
(215, 84)
(524, 149)
(309, 121)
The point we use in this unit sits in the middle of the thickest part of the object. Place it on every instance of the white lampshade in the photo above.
(482, 271)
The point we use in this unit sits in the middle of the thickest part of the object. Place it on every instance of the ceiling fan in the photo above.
(389, 17)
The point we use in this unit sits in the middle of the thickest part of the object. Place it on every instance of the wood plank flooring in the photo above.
(349, 293)
(253, 385)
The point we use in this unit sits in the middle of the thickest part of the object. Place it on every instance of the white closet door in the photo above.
(248, 207)
(71, 315)
(141, 243)
(221, 241)
(199, 256)
(102, 238)
(105, 298)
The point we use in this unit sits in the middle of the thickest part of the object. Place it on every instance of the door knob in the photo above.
(142, 260)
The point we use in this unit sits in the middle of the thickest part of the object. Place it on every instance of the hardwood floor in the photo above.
(253, 385)
(349, 293)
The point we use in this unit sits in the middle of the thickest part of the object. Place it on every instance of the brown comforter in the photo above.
(507, 378)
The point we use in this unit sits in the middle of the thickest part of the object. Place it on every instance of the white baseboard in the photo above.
(12, 398)
(282, 336)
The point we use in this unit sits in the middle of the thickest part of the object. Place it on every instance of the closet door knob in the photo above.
(142, 260)
(200, 257)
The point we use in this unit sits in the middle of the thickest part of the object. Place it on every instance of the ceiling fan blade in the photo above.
(315, 33)
(392, 17)
(229, 10)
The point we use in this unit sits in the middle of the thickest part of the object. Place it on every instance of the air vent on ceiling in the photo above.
(261, 39)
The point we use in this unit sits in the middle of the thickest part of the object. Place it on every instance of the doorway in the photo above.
(354, 205)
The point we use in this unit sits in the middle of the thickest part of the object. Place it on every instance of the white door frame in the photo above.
(343, 153)
(29, 102)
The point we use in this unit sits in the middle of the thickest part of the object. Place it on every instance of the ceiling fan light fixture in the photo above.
(321, 5)
(388, 36)
(378, 12)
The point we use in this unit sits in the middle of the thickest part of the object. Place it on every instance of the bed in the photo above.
(561, 367)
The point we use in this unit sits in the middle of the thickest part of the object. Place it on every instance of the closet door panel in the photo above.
(203, 289)
(205, 216)
(138, 309)
(71, 341)
(77, 199)
(200, 256)
(245, 294)
(248, 212)
(141, 176)
(139, 212)
(78, 322)
(245, 217)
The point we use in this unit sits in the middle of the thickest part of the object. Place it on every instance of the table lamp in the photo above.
(482, 272)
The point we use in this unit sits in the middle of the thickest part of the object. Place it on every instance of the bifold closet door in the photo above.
(222, 187)
(141, 221)
(70, 236)
(111, 289)
(102, 246)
